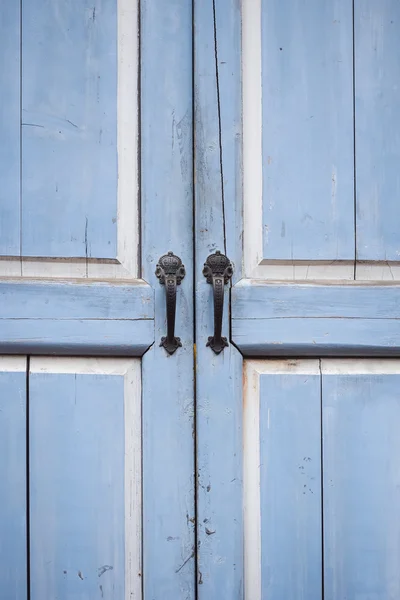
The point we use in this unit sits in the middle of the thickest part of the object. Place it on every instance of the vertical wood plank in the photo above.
(290, 486)
(167, 224)
(361, 447)
(69, 128)
(81, 478)
(307, 130)
(218, 190)
(377, 71)
(13, 560)
(10, 128)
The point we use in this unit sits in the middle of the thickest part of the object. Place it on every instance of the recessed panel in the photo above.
(361, 449)
(85, 499)
(13, 530)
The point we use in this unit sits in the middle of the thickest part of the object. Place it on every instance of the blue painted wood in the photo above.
(311, 320)
(218, 191)
(13, 576)
(10, 128)
(290, 486)
(261, 300)
(377, 70)
(69, 128)
(361, 417)
(317, 337)
(167, 224)
(97, 337)
(307, 130)
(76, 318)
(76, 486)
(72, 300)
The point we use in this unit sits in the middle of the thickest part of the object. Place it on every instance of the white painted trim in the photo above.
(252, 135)
(360, 366)
(253, 369)
(251, 481)
(12, 364)
(130, 369)
(126, 265)
(133, 481)
(255, 265)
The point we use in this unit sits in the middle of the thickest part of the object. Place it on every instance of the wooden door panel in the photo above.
(282, 480)
(361, 449)
(13, 523)
(377, 97)
(10, 82)
(321, 478)
(307, 130)
(85, 478)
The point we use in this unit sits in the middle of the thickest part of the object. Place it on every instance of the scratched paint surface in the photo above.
(69, 128)
(77, 486)
(13, 574)
(307, 124)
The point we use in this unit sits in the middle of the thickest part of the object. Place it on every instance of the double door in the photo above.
(258, 142)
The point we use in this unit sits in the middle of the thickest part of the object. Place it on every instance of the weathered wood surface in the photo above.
(218, 226)
(13, 515)
(167, 224)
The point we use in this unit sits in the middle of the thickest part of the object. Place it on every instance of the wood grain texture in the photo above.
(315, 320)
(79, 481)
(69, 128)
(290, 485)
(260, 300)
(217, 72)
(10, 43)
(307, 130)
(98, 337)
(167, 224)
(76, 318)
(13, 559)
(361, 416)
(72, 300)
(377, 96)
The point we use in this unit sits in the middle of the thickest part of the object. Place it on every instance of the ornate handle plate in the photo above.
(170, 272)
(218, 270)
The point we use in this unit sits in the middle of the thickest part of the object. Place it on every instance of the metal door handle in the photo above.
(170, 271)
(218, 270)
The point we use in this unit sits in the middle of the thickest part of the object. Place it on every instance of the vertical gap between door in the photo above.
(322, 485)
(28, 512)
(195, 466)
(354, 143)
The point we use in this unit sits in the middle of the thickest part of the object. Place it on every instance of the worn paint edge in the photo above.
(251, 481)
(126, 266)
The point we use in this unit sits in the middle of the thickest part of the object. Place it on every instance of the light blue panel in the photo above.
(317, 337)
(316, 320)
(361, 419)
(307, 130)
(77, 508)
(167, 224)
(71, 300)
(218, 226)
(10, 128)
(290, 486)
(76, 318)
(69, 128)
(89, 337)
(261, 300)
(377, 71)
(13, 563)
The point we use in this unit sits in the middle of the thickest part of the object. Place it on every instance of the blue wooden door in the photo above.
(96, 419)
(296, 151)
